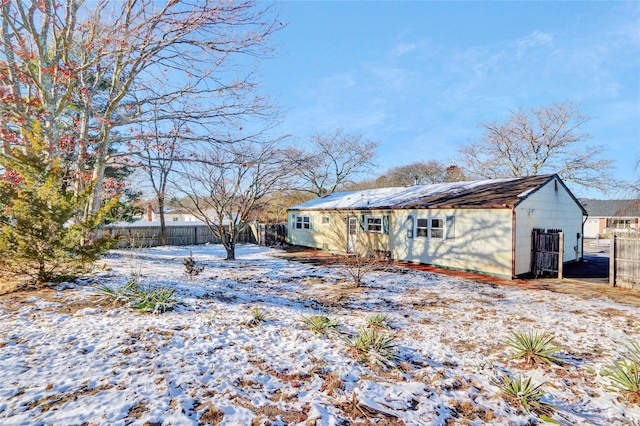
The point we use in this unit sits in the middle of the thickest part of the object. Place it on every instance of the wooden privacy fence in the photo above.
(547, 252)
(624, 261)
(177, 235)
(273, 234)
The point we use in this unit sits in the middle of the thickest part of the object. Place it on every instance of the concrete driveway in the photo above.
(595, 267)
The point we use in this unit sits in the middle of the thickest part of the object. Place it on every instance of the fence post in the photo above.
(612, 260)
(560, 254)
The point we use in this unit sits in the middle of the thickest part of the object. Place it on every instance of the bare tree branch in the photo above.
(547, 139)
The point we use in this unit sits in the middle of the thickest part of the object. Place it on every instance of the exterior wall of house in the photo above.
(592, 227)
(327, 230)
(477, 240)
(551, 206)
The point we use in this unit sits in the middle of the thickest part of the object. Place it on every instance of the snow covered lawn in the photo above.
(67, 358)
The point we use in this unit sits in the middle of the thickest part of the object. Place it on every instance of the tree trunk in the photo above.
(163, 225)
(229, 244)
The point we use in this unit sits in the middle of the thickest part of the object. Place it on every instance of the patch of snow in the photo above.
(109, 364)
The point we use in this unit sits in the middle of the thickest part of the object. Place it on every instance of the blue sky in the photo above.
(418, 77)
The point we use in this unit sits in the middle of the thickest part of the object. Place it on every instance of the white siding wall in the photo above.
(549, 207)
(481, 240)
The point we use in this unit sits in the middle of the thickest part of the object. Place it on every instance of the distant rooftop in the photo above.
(612, 208)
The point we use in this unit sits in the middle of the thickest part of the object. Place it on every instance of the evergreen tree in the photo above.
(41, 235)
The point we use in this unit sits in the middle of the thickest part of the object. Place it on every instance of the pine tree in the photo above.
(41, 237)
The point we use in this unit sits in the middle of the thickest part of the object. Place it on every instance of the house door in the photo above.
(352, 234)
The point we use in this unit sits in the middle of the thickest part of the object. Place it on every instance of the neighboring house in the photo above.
(483, 226)
(171, 216)
(606, 216)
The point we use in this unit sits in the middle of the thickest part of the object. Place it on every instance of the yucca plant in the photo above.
(625, 374)
(633, 351)
(154, 299)
(379, 320)
(145, 299)
(525, 395)
(118, 294)
(320, 324)
(373, 348)
(534, 347)
(258, 316)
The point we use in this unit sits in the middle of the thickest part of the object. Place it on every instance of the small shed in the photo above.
(484, 226)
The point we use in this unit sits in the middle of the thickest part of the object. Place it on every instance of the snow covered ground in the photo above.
(66, 358)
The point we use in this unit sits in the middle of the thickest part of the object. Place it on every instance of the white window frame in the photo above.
(326, 220)
(373, 222)
(429, 228)
(301, 224)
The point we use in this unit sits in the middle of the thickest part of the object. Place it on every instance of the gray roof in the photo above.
(612, 208)
(491, 193)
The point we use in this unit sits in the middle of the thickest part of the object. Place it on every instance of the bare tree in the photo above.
(229, 183)
(547, 139)
(83, 69)
(333, 160)
(421, 173)
(157, 153)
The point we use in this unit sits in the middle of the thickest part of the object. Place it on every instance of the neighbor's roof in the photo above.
(491, 193)
(612, 208)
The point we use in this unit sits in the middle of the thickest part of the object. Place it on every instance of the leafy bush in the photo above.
(320, 324)
(525, 395)
(373, 348)
(191, 267)
(534, 347)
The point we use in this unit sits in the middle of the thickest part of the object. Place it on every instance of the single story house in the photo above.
(606, 216)
(482, 226)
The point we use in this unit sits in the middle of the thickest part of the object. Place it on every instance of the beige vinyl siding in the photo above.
(481, 240)
(333, 235)
(551, 206)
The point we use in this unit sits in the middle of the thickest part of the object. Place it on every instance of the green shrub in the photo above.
(534, 347)
(191, 267)
(44, 233)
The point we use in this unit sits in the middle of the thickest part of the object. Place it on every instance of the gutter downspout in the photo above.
(513, 242)
(586, 216)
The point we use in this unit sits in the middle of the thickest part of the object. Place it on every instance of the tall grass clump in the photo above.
(258, 316)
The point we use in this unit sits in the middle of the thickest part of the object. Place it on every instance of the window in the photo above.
(175, 219)
(326, 220)
(303, 222)
(437, 228)
(430, 228)
(373, 224)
